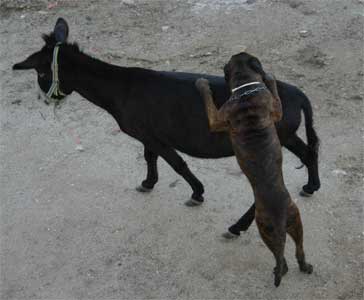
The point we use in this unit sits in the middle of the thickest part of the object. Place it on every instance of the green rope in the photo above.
(54, 89)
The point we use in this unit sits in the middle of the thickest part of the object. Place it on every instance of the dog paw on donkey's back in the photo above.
(202, 84)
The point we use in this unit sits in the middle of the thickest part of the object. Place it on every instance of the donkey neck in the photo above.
(101, 83)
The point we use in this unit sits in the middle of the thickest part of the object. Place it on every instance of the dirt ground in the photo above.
(72, 224)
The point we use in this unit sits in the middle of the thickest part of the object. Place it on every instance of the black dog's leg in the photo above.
(152, 171)
(180, 166)
(242, 225)
(309, 159)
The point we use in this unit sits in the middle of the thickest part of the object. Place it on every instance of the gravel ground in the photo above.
(72, 224)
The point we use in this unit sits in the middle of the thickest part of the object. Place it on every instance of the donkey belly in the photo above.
(178, 118)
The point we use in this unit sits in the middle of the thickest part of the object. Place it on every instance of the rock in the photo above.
(174, 183)
(356, 98)
(52, 5)
(165, 28)
(313, 56)
(127, 2)
(306, 10)
(80, 148)
(304, 33)
(339, 172)
(115, 131)
(294, 3)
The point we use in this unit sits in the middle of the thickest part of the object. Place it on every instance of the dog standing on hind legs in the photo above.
(249, 116)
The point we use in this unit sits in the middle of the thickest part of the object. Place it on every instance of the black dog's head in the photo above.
(41, 61)
(243, 68)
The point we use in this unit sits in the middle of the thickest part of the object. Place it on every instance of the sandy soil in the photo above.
(72, 224)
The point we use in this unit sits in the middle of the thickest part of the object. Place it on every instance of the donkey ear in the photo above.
(61, 30)
(31, 62)
(226, 72)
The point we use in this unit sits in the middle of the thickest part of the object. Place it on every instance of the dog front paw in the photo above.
(202, 84)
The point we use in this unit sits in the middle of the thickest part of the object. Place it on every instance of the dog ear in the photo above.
(270, 82)
(32, 62)
(61, 30)
(255, 64)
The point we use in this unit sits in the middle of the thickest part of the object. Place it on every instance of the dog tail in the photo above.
(313, 141)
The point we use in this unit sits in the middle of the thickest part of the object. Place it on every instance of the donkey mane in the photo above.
(90, 64)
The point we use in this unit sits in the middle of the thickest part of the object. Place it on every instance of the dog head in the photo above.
(243, 68)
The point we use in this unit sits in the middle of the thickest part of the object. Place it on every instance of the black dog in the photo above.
(249, 116)
(160, 108)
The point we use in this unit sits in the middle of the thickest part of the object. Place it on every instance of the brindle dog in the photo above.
(249, 116)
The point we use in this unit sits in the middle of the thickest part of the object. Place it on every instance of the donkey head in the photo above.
(46, 64)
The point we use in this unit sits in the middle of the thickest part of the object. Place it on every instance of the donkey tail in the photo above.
(313, 141)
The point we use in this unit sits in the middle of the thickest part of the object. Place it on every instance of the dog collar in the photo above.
(54, 90)
(244, 85)
(239, 93)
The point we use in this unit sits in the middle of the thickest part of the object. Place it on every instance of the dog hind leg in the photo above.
(295, 230)
(274, 236)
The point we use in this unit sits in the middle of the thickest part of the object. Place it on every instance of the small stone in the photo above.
(80, 148)
(356, 97)
(115, 131)
(52, 5)
(304, 33)
(16, 102)
(294, 3)
(165, 28)
(174, 183)
(339, 172)
(22, 16)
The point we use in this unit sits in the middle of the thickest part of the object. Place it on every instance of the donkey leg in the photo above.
(242, 225)
(180, 166)
(152, 172)
(294, 229)
(274, 236)
(309, 159)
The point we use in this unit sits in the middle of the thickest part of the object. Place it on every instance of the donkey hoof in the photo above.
(277, 280)
(143, 189)
(192, 202)
(230, 236)
(306, 268)
(305, 194)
